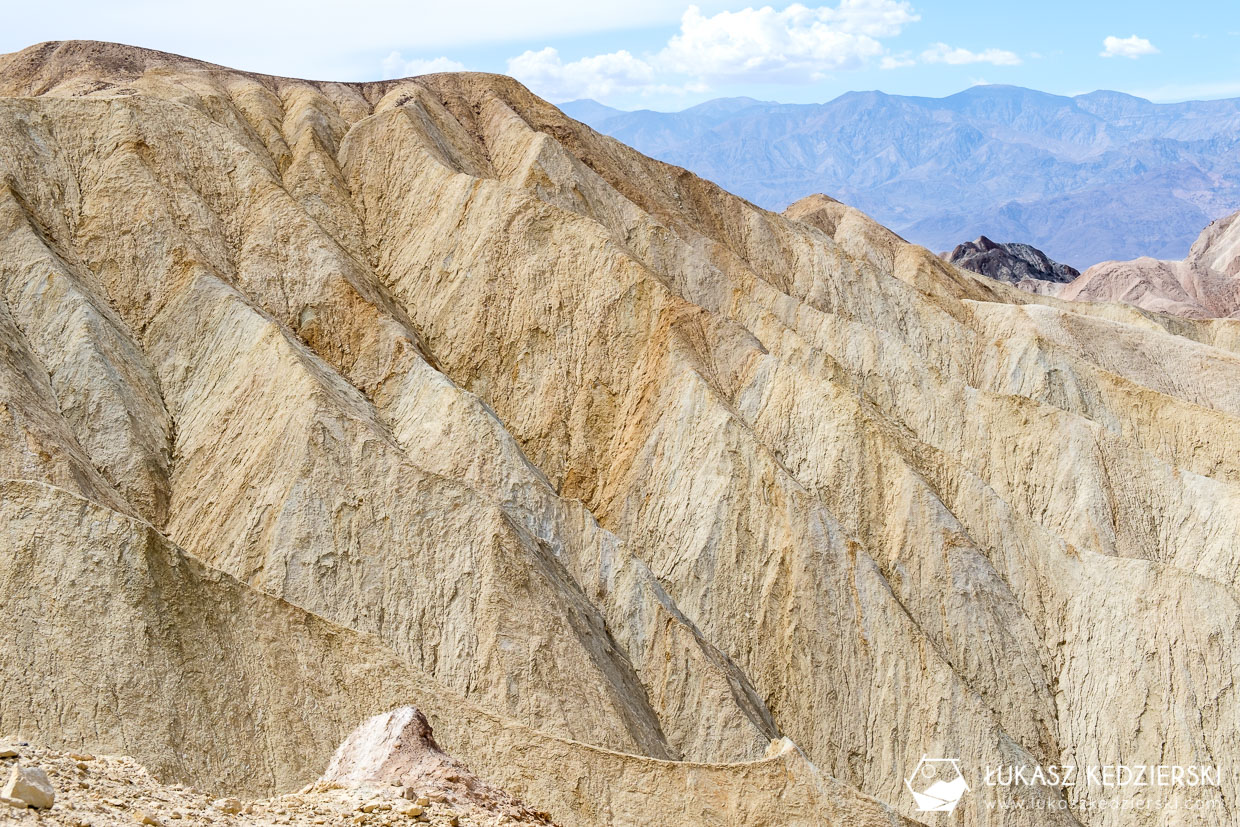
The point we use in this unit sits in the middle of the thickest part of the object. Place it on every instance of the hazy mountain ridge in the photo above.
(1098, 176)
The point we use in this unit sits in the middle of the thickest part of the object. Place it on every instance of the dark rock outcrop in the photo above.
(1012, 262)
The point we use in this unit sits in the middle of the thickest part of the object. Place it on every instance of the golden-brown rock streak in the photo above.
(322, 399)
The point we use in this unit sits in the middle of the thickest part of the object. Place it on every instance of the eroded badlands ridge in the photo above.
(320, 399)
(1205, 284)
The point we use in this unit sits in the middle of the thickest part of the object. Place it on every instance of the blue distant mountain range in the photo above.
(1088, 178)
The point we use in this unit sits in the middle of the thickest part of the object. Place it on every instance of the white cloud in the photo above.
(795, 44)
(317, 40)
(900, 61)
(599, 76)
(942, 53)
(395, 66)
(1132, 47)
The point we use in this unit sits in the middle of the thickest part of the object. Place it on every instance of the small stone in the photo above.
(177, 814)
(81, 756)
(248, 809)
(31, 786)
(424, 801)
(369, 806)
(454, 820)
(227, 805)
(143, 818)
(8, 752)
(411, 810)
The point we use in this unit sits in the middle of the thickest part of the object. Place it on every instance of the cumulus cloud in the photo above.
(899, 61)
(395, 66)
(942, 53)
(599, 76)
(1132, 47)
(796, 44)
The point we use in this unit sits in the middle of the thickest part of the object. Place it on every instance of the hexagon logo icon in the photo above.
(937, 784)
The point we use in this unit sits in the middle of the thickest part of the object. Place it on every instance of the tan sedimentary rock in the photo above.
(28, 787)
(1218, 246)
(321, 399)
(212, 681)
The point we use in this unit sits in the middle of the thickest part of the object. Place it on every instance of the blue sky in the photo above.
(661, 55)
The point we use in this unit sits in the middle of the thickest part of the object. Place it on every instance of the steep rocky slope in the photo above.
(320, 399)
(1204, 285)
(1012, 262)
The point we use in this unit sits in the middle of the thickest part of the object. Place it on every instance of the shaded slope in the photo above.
(206, 680)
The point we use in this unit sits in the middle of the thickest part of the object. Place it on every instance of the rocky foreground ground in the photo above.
(366, 784)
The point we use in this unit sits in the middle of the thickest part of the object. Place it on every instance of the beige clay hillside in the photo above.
(321, 399)
(1203, 285)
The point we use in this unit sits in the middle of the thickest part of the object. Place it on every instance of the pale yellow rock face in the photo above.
(321, 399)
